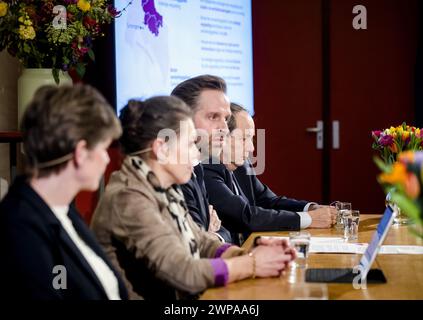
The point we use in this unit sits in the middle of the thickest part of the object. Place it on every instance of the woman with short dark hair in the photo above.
(47, 251)
(143, 222)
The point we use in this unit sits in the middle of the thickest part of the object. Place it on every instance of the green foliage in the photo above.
(30, 32)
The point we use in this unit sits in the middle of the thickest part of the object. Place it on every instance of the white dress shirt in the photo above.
(305, 217)
(104, 274)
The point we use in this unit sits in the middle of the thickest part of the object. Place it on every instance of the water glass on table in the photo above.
(351, 220)
(301, 243)
(341, 208)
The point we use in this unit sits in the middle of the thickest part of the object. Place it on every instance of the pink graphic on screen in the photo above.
(152, 18)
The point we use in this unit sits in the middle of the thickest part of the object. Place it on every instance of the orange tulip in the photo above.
(412, 186)
(393, 147)
(397, 175)
(406, 157)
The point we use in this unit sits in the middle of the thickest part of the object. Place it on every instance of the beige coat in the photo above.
(137, 233)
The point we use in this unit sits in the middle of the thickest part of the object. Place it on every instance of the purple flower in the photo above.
(83, 50)
(418, 157)
(376, 133)
(112, 10)
(88, 41)
(386, 140)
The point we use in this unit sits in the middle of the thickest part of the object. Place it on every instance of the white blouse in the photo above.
(104, 274)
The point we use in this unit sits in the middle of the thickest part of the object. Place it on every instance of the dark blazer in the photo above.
(33, 242)
(197, 201)
(261, 195)
(241, 213)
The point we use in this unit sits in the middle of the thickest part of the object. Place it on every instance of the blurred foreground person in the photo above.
(47, 251)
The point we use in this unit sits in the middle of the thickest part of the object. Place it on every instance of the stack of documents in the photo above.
(339, 245)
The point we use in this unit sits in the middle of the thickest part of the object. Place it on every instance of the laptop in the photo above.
(364, 268)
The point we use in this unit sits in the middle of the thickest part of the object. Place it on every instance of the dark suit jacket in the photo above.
(261, 195)
(197, 201)
(33, 242)
(242, 213)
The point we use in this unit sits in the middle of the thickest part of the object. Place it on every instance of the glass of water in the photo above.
(351, 220)
(301, 242)
(341, 208)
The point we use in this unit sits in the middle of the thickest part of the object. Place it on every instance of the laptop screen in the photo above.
(377, 240)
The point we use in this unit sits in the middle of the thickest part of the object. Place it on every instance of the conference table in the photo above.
(404, 273)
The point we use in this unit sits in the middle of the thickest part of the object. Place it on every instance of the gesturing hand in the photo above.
(215, 222)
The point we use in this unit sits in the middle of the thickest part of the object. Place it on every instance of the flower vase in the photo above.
(31, 80)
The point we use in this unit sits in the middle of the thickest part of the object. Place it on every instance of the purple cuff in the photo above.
(222, 249)
(221, 272)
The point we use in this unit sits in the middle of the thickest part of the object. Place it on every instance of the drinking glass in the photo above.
(351, 220)
(341, 208)
(301, 242)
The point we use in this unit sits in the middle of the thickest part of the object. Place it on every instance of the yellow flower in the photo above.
(397, 175)
(3, 8)
(405, 135)
(393, 131)
(84, 5)
(26, 33)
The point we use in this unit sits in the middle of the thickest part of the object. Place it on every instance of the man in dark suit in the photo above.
(206, 95)
(244, 203)
(199, 208)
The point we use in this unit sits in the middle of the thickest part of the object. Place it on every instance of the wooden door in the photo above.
(371, 87)
(310, 64)
(288, 93)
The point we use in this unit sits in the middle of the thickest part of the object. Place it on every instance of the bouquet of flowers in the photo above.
(403, 179)
(390, 142)
(53, 34)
